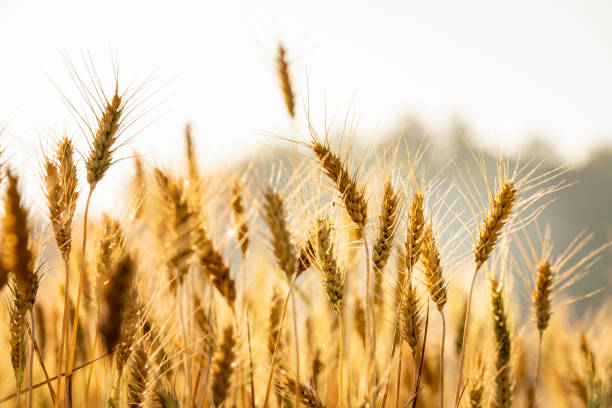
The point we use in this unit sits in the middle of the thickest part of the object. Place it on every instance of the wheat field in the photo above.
(332, 280)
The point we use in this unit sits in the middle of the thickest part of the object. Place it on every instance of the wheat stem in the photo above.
(93, 352)
(340, 362)
(370, 326)
(399, 375)
(537, 373)
(418, 376)
(466, 327)
(442, 360)
(277, 341)
(297, 352)
(80, 289)
(31, 362)
(65, 329)
(42, 364)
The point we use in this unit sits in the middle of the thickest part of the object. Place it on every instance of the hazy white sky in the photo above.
(511, 69)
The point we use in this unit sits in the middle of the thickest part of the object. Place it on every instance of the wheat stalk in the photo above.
(500, 209)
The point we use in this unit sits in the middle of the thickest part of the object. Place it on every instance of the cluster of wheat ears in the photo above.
(312, 288)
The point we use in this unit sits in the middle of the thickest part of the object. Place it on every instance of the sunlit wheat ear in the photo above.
(542, 294)
(128, 331)
(139, 377)
(284, 76)
(282, 243)
(503, 377)
(61, 193)
(500, 208)
(410, 320)
(214, 265)
(17, 256)
(223, 367)
(276, 308)
(239, 213)
(116, 301)
(550, 274)
(16, 340)
(352, 195)
(102, 147)
(178, 238)
(325, 258)
(414, 233)
(108, 252)
(477, 387)
(386, 233)
(306, 395)
(430, 257)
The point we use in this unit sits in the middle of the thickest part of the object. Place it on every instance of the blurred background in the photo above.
(528, 78)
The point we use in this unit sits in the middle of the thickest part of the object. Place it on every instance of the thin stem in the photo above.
(278, 335)
(442, 360)
(297, 353)
(340, 363)
(80, 289)
(116, 393)
(20, 370)
(65, 328)
(250, 359)
(40, 384)
(42, 364)
(370, 326)
(93, 352)
(537, 376)
(399, 375)
(182, 312)
(31, 358)
(418, 376)
(466, 327)
(395, 340)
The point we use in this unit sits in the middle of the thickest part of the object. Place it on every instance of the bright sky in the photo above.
(510, 69)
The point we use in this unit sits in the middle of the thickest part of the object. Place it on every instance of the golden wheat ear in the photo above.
(503, 377)
(140, 376)
(386, 233)
(409, 315)
(284, 76)
(16, 340)
(352, 195)
(292, 389)
(240, 219)
(500, 208)
(282, 242)
(223, 367)
(17, 254)
(115, 301)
